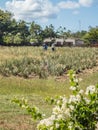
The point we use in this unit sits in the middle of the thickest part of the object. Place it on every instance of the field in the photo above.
(34, 74)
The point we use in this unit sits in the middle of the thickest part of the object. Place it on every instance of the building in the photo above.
(64, 42)
(59, 41)
(49, 41)
(73, 42)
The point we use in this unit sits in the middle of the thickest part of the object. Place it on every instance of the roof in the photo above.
(70, 40)
(59, 40)
(48, 39)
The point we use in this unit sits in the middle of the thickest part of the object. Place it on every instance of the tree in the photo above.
(22, 28)
(12, 27)
(61, 32)
(92, 36)
(8, 39)
(18, 39)
(79, 34)
(49, 32)
(5, 19)
(35, 32)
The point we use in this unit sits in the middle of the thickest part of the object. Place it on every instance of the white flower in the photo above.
(81, 91)
(60, 116)
(47, 122)
(91, 89)
(67, 112)
(71, 107)
(56, 110)
(87, 100)
(78, 97)
(74, 99)
(64, 100)
(72, 88)
(52, 117)
(63, 106)
(58, 102)
(70, 125)
(76, 80)
(57, 125)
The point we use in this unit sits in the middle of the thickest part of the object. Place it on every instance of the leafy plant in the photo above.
(78, 112)
(44, 64)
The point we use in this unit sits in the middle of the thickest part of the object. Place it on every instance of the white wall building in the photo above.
(74, 42)
(65, 42)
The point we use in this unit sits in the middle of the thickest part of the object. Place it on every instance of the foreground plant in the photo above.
(78, 112)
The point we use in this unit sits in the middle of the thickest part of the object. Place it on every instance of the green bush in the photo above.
(78, 112)
(44, 64)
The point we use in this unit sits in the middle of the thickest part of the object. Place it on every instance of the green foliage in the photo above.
(33, 40)
(4, 22)
(49, 32)
(73, 113)
(12, 39)
(24, 67)
(8, 38)
(8, 25)
(47, 63)
(92, 36)
(22, 29)
(5, 18)
(18, 39)
(33, 111)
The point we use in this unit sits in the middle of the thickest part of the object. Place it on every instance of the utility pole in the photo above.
(79, 26)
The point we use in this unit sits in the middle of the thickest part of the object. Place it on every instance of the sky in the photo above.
(74, 15)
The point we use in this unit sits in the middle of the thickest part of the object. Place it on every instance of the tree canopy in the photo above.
(14, 32)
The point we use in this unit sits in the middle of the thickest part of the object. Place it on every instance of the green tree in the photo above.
(79, 34)
(22, 28)
(18, 39)
(49, 31)
(12, 27)
(92, 36)
(5, 19)
(61, 32)
(8, 39)
(36, 32)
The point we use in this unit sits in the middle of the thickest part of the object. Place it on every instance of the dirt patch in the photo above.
(20, 122)
(85, 72)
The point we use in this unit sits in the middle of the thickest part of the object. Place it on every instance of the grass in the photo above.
(33, 89)
(25, 62)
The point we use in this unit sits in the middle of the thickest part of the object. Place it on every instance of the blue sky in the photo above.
(75, 15)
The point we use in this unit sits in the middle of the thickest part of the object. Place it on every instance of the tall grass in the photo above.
(34, 61)
(20, 60)
(35, 90)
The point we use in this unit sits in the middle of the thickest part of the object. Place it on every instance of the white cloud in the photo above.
(68, 5)
(86, 3)
(32, 9)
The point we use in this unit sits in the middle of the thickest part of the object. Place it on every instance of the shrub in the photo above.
(33, 61)
(78, 112)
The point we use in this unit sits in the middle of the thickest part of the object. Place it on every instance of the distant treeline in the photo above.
(22, 33)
